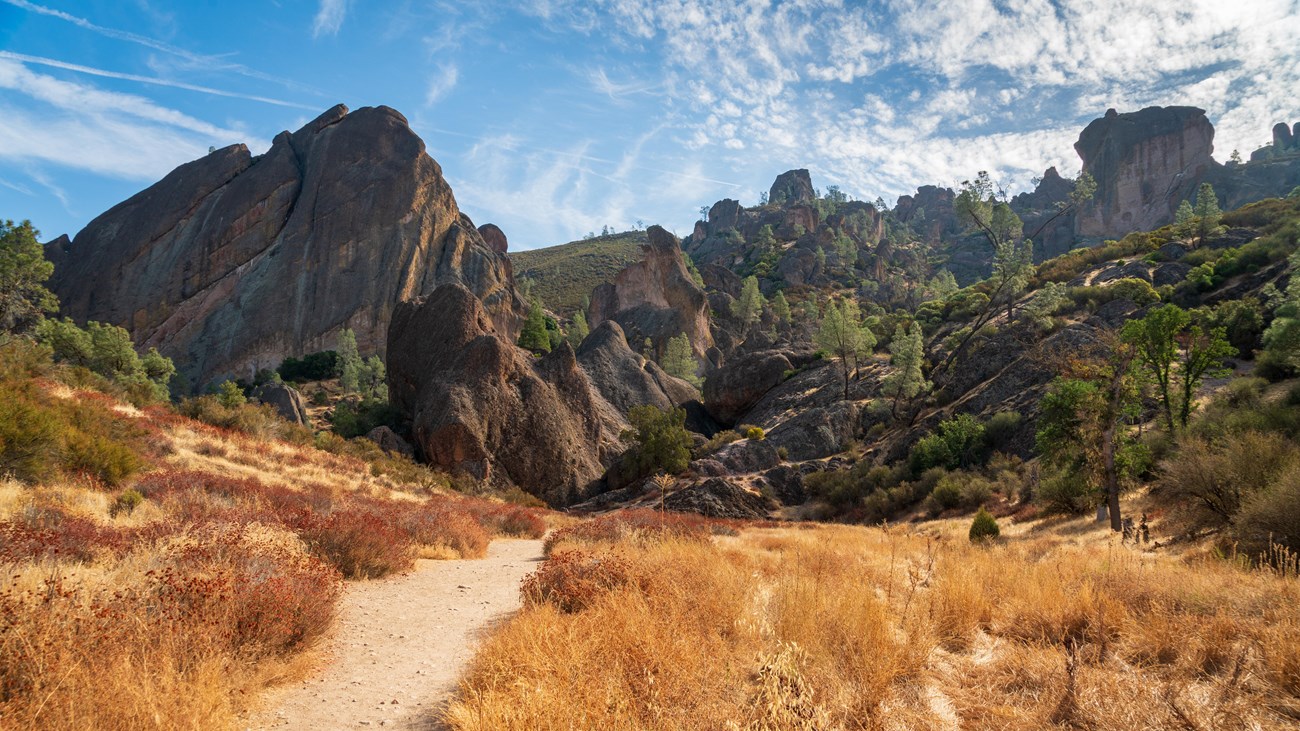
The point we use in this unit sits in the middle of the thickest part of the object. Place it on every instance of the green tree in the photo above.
(1184, 219)
(843, 334)
(748, 308)
(907, 355)
(659, 438)
(107, 350)
(1081, 423)
(24, 300)
(1203, 353)
(373, 379)
(1013, 265)
(781, 308)
(578, 331)
(1207, 212)
(1282, 338)
(533, 335)
(350, 363)
(1155, 341)
(941, 285)
(679, 360)
(230, 395)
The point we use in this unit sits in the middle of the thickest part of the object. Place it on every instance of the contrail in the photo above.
(145, 79)
(212, 62)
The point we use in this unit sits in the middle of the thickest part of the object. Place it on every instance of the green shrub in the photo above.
(107, 351)
(1271, 517)
(127, 501)
(230, 395)
(355, 420)
(659, 438)
(1067, 493)
(999, 429)
(312, 367)
(984, 527)
(719, 440)
(948, 493)
(754, 432)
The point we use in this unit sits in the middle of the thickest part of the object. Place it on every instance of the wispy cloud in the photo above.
(440, 85)
(112, 134)
(329, 18)
(198, 60)
(146, 79)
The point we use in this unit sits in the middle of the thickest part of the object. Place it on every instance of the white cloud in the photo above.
(329, 18)
(440, 85)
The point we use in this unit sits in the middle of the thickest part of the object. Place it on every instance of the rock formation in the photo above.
(232, 262)
(732, 390)
(494, 237)
(790, 187)
(655, 298)
(479, 404)
(285, 399)
(1145, 163)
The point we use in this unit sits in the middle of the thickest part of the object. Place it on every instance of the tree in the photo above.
(533, 335)
(1081, 419)
(24, 300)
(1282, 338)
(781, 308)
(660, 440)
(907, 354)
(1013, 264)
(349, 361)
(1235, 157)
(230, 395)
(679, 360)
(373, 379)
(748, 308)
(942, 284)
(1203, 354)
(107, 350)
(578, 331)
(1184, 219)
(842, 334)
(1154, 339)
(1207, 212)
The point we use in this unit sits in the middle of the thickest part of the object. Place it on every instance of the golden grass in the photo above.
(845, 627)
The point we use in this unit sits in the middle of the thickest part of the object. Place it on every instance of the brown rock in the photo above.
(479, 404)
(288, 402)
(1144, 163)
(232, 262)
(792, 186)
(388, 441)
(655, 298)
(494, 237)
(730, 391)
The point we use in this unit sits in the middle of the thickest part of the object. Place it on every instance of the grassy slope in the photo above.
(562, 275)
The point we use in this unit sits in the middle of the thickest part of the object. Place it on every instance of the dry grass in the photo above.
(216, 581)
(845, 627)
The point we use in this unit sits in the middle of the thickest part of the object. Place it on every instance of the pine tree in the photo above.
(679, 360)
(781, 308)
(843, 334)
(349, 361)
(374, 379)
(533, 335)
(1207, 212)
(907, 355)
(748, 308)
(24, 300)
(1184, 219)
(578, 331)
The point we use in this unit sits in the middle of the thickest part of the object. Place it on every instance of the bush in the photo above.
(126, 502)
(1067, 493)
(754, 432)
(660, 440)
(440, 524)
(360, 543)
(948, 493)
(350, 421)
(313, 367)
(1271, 517)
(984, 527)
(718, 441)
(573, 579)
(1213, 479)
(999, 429)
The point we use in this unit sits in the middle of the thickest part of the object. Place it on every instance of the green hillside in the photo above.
(562, 275)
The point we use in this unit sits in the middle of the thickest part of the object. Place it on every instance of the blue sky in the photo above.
(553, 118)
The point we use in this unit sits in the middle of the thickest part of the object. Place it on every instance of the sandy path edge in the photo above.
(406, 639)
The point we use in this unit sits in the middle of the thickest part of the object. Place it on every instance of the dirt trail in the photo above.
(399, 644)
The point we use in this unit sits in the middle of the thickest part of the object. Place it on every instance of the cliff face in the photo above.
(1144, 163)
(655, 298)
(232, 262)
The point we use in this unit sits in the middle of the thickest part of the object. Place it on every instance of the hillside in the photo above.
(565, 274)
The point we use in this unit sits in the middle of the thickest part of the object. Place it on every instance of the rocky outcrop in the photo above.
(285, 399)
(733, 389)
(791, 187)
(233, 262)
(1048, 218)
(390, 442)
(717, 497)
(494, 237)
(479, 404)
(655, 298)
(1145, 163)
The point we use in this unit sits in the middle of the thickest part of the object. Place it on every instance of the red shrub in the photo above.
(361, 543)
(572, 580)
(507, 520)
(640, 523)
(440, 523)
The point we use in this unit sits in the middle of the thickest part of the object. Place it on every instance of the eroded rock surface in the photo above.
(233, 262)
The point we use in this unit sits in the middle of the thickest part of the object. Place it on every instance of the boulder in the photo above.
(388, 441)
(1145, 163)
(747, 455)
(494, 237)
(288, 402)
(717, 497)
(480, 405)
(655, 298)
(816, 432)
(786, 482)
(1170, 273)
(233, 261)
(734, 388)
(791, 187)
